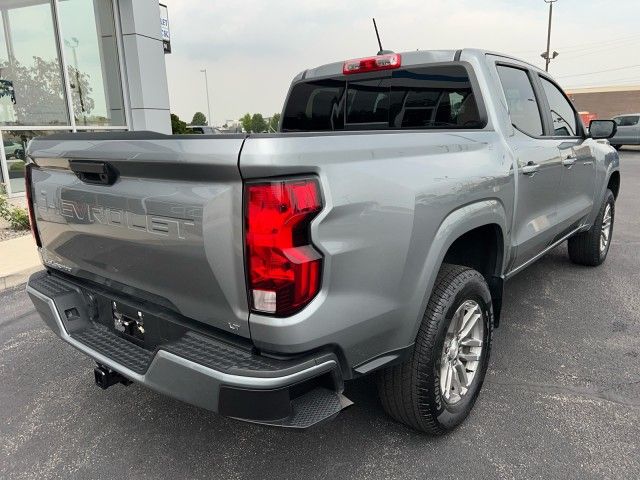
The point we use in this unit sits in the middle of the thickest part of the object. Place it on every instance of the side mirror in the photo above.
(602, 129)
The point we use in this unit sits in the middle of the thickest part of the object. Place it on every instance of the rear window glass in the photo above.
(420, 98)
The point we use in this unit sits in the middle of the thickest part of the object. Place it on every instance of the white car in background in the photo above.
(13, 149)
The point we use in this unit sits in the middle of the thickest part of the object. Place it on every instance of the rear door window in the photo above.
(415, 98)
(521, 100)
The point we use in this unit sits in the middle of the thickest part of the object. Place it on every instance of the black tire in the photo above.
(410, 392)
(617, 147)
(584, 248)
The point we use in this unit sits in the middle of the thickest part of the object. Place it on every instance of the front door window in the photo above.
(563, 116)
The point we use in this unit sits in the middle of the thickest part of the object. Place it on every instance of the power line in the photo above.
(587, 45)
(616, 82)
(572, 55)
(592, 52)
(598, 71)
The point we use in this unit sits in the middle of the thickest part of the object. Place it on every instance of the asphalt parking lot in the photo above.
(561, 399)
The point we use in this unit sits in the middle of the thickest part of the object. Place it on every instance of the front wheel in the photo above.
(434, 390)
(591, 247)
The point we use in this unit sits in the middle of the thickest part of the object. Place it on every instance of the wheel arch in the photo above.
(482, 249)
(465, 225)
(613, 183)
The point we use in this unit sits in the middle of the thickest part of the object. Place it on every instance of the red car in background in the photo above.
(586, 118)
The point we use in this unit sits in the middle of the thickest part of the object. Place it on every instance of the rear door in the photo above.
(165, 226)
(577, 188)
(539, 165)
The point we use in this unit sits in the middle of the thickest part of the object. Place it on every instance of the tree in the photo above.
(246, 122)
(258, 123)
(177, 126)
(199, 119)
(274, 122)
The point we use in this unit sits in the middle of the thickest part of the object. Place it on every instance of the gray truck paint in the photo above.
(173, 375)
(148, 232)
(395, 201)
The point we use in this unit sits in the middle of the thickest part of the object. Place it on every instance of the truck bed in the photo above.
(169, 230)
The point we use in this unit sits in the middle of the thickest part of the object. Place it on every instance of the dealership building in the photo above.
(78, 65)
(606, 102)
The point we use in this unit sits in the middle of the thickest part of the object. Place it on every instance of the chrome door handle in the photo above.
(569, 161)
(530, 169)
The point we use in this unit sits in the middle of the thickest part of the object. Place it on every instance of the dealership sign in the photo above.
(164, 28)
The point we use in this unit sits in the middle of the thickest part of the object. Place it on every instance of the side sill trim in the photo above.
(542, 253)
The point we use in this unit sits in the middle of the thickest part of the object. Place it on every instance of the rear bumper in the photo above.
(197, 369)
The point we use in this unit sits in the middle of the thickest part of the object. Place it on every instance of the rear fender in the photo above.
(456, 224)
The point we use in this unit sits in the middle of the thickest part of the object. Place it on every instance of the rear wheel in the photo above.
(591, 247)
(434, 390)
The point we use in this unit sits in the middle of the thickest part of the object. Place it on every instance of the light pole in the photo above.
(74, 43)
(206, 84)
(546, 55)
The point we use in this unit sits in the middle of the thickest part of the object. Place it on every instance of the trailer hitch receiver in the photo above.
(105, 377)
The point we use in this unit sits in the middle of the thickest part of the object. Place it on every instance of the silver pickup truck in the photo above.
(253, 275)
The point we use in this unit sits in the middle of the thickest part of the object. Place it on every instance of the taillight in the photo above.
(372, 64)
(29, 193)
(283, 267)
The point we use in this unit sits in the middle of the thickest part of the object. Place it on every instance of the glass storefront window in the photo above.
(89, 42)
(15, 144)
(31, 83)
(34, 46)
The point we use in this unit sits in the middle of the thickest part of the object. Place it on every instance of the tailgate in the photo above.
(165, 225)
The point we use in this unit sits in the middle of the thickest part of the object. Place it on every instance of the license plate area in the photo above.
(139, 322)
(128, 321)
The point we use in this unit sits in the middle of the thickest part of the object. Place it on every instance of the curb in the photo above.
(15, 279)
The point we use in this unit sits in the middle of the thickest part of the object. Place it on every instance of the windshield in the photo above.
(627, 121)
(414, 98)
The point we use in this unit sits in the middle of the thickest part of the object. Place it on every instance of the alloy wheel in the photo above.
(605, 232)
(462, 351)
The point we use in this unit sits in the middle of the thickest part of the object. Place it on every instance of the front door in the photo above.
(577, 187)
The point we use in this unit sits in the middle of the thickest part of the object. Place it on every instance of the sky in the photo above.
(253, 48)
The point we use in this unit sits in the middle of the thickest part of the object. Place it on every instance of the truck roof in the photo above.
(415, 57)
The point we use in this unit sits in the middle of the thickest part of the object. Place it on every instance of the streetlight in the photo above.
(546, 55)
(206, 84)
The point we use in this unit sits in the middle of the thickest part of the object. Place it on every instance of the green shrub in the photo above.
(17, 217)
(17, 166)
